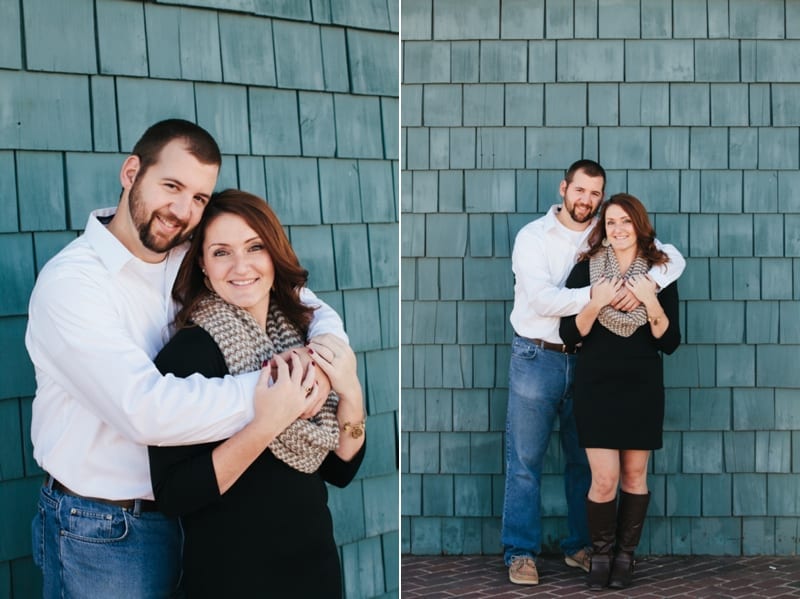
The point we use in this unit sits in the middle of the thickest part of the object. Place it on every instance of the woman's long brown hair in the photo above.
(290, 277)
(645, 234)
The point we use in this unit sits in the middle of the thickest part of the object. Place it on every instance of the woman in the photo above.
(619, 381)
(253, 507)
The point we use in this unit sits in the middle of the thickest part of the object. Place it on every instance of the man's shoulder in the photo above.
(76, 256)
(76, 261)
(536, 228)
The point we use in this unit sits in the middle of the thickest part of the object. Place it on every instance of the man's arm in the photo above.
(529, 263)
(80, 346)
(667, 273)
(326, 320)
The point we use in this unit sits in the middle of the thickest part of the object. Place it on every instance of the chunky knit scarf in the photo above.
(305, 443)
(604, 264)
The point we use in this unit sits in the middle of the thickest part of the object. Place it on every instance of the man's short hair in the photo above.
(590, 167)
(199, 142)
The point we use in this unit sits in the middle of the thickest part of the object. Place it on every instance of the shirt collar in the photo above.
(114, 255)
(551, 220)
(109, 249)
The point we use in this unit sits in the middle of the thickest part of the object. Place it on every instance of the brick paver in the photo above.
(712, 577)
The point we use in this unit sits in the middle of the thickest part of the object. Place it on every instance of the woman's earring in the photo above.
(605, 243)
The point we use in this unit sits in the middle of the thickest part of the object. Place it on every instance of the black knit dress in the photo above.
(271, 534)
(619, 381)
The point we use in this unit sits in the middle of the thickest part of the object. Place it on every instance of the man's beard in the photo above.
(144, 225)
(589, 215)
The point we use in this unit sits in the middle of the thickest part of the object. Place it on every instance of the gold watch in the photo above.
(355, 429)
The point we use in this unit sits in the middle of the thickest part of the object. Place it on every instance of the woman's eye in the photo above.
(256, 248)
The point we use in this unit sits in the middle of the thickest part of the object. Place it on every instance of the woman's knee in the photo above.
(604, 485)
(637, 487)
(633, 467)
(633, 478)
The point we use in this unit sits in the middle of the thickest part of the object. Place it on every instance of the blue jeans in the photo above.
(89, 549)
(539, 389)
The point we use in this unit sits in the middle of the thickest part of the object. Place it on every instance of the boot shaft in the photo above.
(630, 520)
(602, 519)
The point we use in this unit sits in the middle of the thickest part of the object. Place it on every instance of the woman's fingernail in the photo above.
(265, 363)
(311, 351)
(313, 363)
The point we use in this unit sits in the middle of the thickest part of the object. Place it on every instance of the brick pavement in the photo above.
(712, 577)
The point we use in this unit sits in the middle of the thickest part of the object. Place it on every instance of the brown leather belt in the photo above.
(559, 347)
(145, 505)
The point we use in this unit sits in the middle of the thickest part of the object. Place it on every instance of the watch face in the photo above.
(355, 430)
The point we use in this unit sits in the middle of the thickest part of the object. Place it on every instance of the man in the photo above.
(99, 313)
(540, 374)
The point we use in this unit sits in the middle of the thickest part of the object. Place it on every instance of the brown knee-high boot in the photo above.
(630, 520)
(602, 519)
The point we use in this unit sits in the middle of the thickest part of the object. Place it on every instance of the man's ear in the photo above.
(129, 171)
(562, 189)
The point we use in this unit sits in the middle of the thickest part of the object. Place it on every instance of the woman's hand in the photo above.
(335, 358)
(291, 394)
(324, 383)
(604, 290)
(643, 287)
(625, 300)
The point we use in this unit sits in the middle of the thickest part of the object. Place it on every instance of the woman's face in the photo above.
(620, 231)
(238, 265)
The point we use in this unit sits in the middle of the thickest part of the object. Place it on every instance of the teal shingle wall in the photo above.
(302, 97)
(691, 106)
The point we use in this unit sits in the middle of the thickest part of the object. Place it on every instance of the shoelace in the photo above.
(521, 562)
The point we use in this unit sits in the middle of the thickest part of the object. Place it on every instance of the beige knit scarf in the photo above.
(604, 264)
(305, 443)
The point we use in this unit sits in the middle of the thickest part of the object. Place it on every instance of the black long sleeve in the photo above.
(183, 477)
(578, 277)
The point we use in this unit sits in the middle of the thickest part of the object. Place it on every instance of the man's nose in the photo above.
(182, 207)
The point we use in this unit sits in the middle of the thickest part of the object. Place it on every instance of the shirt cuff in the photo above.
(659, 275)
(584, 296)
